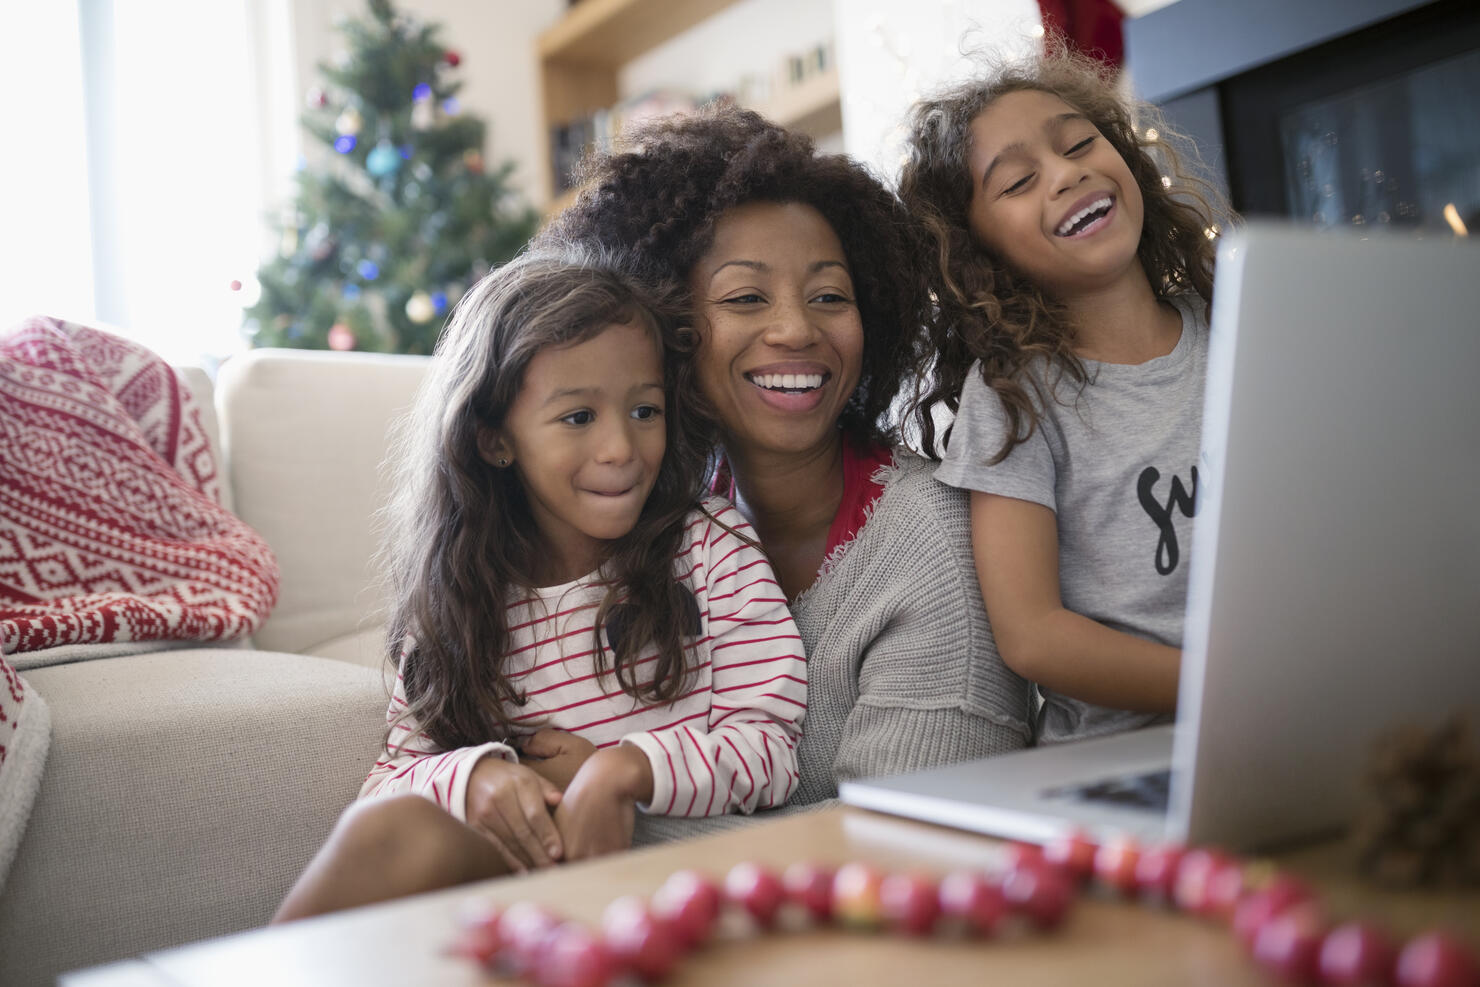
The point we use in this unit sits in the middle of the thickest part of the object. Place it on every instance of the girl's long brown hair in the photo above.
(461, 540)
(987, 312)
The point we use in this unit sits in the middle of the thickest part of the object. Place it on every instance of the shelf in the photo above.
(607, 33)
(813, 107)
(581, 55)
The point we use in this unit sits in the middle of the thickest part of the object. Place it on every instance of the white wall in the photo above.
(890, 52)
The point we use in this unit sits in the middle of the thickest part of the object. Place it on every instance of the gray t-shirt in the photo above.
(1117, 464)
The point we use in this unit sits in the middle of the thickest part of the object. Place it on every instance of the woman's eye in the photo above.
(832, 298)
(1081, 146)
(646, 412)
(750, 298)
(582, 417)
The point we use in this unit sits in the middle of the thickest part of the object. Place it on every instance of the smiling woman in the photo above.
(804, 289)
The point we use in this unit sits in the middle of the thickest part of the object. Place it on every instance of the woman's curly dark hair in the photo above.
(986, 311)
(660, 193)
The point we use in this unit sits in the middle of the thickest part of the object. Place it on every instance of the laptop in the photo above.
(1334, 588)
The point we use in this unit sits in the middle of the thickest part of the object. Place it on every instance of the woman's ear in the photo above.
(492, 447)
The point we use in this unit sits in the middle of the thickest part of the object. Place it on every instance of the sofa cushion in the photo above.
(305, 437)
(184, 792)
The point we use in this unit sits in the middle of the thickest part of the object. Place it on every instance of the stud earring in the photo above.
(503, 462)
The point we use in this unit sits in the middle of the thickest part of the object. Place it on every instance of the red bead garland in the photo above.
(1273, 914)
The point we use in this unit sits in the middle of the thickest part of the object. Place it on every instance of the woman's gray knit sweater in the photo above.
(902, 670)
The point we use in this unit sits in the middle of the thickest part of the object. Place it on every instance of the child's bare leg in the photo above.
(388, 848)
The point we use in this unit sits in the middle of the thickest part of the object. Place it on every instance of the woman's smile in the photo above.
(782, 341)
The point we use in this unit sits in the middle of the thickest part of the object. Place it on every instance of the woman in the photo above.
(807, 299)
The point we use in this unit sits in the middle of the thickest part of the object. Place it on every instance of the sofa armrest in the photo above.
(184, 792)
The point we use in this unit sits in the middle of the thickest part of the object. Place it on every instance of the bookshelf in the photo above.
(581, 55)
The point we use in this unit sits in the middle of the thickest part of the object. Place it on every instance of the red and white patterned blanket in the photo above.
(111, 526)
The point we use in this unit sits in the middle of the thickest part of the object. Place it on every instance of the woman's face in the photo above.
(781, 345)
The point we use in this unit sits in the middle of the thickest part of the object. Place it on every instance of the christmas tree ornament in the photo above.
(423, 115)
(419, 308)
(235, 285)
(349, 122)
(316, 98)
(439, 302)
(341, 337)
(422, 92)
(383, 160)
(451, 106)
(368, 269)
(345, 144)
(452, 58)
(474, 160)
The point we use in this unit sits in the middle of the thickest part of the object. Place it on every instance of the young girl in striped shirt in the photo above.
(579, 637)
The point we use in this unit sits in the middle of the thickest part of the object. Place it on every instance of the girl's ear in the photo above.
(494, 450)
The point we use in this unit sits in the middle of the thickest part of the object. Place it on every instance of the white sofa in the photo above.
(186, 787)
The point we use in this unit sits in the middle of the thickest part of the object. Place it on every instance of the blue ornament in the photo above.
(368, 270)
(382, 160)
(351, 292)
(345, 144)
(422, 91)
(405, 152)
(439, 301)
(450, 106)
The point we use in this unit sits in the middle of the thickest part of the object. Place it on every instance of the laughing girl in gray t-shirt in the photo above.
(1073, 283)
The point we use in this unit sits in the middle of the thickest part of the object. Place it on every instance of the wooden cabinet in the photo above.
(581, 55)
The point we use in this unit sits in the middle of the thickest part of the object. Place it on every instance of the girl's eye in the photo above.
(646, 412)
(582, 417)
(1081, 146)
(1018, 185)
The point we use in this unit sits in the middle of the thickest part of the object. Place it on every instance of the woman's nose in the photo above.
(790, 325)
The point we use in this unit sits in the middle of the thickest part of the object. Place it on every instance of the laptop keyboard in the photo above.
(1143, 791)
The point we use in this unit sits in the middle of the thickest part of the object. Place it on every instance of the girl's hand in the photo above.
(597, 813)
(556, 755)
(510, 804)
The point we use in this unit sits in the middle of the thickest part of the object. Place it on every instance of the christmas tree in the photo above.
(406, 217)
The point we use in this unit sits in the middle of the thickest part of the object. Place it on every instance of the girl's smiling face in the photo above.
(586, 436)
(781, 348)
(1051, 196)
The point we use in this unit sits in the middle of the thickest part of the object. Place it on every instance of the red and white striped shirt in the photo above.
(728, 743)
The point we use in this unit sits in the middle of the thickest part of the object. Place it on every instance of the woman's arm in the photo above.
(1017, 562)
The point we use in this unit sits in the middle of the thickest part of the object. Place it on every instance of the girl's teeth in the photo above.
(1068, 224)
(788, 382)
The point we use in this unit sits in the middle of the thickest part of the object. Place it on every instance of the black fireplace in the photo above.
(1349, 112)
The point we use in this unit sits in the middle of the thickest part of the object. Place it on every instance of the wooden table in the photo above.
(1104, 943)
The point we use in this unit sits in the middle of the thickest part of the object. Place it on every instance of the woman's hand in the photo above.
(556, 755)
(597, 813)
(511, 804)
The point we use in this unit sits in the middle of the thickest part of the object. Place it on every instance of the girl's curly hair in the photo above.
(659, 194)
(461, 537)
(987, 312)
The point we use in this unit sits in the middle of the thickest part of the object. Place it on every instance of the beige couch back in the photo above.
(304, 438)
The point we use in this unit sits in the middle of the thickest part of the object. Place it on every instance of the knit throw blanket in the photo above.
(111, 526)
